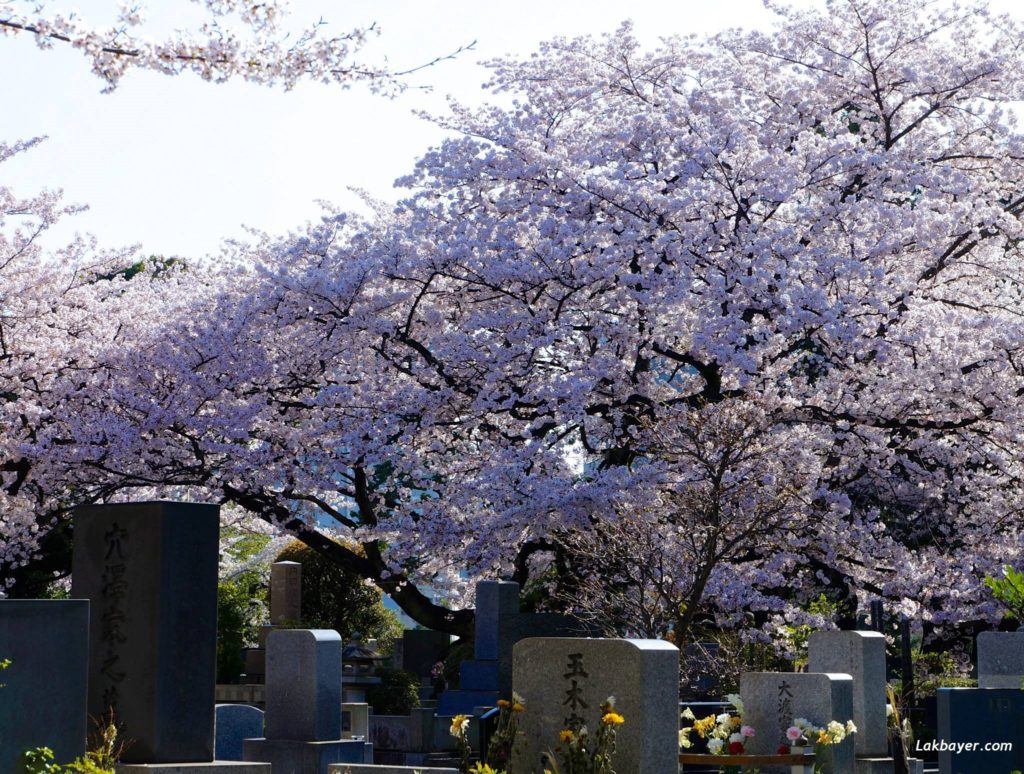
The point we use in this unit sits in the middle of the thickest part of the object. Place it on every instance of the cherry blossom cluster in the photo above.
(755, 296)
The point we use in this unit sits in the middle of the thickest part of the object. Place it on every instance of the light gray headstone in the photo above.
(149, 571)
(303, 689)
(44, 698)
(561, 679)
(1000, 659)
(772, 700)
(862, 656)
(285, 592)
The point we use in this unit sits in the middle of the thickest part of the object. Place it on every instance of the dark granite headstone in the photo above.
(235, 722)
(422, 648)
(977, 718)
(150, 572)
(43, 701)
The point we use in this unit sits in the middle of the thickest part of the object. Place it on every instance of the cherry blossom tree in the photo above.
(760, 291)
(247, 40)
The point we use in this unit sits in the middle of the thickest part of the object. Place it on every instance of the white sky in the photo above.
(178, 164)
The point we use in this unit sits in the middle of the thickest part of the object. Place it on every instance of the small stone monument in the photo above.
(564, 680)
(772, 700)
(862, 656)
(303, 705)
(43, 702)
(1000, 659)
(235, 723)
(285, 592)
(149, 571)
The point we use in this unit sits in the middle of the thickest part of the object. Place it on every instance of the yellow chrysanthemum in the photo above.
(459, 724)
(823, 737)
(565, 735)
(517, 707)
(504, 703)
(736, 722)
(613, 719)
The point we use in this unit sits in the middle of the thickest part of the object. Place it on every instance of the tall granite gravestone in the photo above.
(1000, 659)
(44, 698)
(285, 592)
(149, 571)
(862, 656)
(973, 719)
(772, 700)
(302, 724)
(563, 681)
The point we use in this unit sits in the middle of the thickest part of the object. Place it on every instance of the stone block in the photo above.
(422, 648)
(969, 717)
(234, 723)
(478, 675)
(44, 701)
(564, 680)
(285, 592)
(212, 767)
(303, 689)
(150, 572)
(1000, 659)
(862, 656)
(772, 700)
(291, 756)
(496, 601)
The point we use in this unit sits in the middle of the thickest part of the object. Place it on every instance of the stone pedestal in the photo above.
(213, 767)
(297, 757)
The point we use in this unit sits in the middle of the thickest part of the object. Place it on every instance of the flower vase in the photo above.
(802, 768)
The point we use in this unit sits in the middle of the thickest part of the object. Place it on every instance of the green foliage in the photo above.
(1009, 590)
(798, 636)
(333, 598)
(101, 759)
(397, 693)
(40, 761)
(241, 605)
(936, 670)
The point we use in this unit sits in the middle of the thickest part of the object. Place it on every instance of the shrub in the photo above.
(397, 693)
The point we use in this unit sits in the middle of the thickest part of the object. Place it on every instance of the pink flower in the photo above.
(793, 733)
(747, 731)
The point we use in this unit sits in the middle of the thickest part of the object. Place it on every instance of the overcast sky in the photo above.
(178, 165)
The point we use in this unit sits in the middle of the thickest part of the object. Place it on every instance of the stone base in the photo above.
(874, 765)
(290, 756)
(369, 768)
(213, 767)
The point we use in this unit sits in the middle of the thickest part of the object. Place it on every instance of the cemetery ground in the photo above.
(135, 647)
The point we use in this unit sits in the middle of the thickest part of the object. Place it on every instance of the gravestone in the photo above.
(1000, 659)
(422, 648)
(564, 680)
(772, 700)
(971, 718)
(499, 626)
(234, 723)
(285, 592)
(862, 656)
(44, 698)
(150, 572)
(303, 705)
